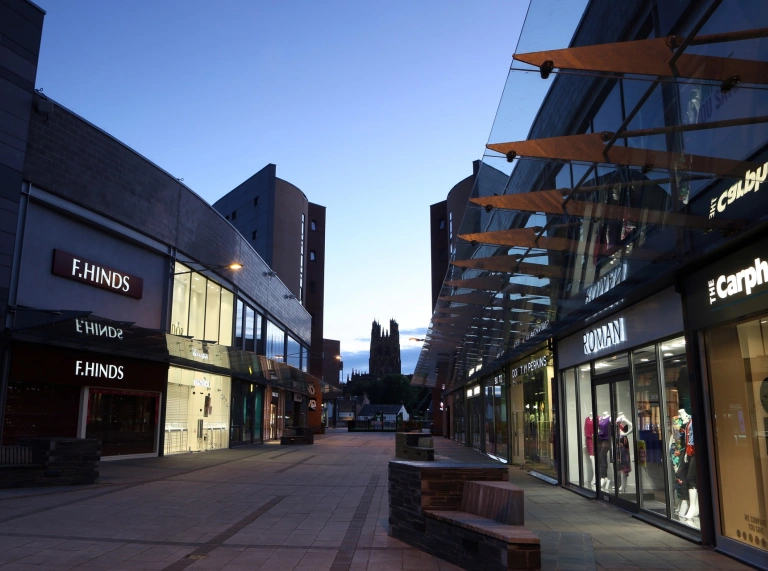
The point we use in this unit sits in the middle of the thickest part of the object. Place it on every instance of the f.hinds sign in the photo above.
(81, 270)
(743, 281)
(605, 336)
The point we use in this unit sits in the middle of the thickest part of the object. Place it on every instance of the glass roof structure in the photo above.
(618, 156)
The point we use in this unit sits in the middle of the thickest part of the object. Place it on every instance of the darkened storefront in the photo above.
(56, 392)
(247, 413)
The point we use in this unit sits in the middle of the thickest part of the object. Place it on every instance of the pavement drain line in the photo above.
(346, 552)
(281, 470)
(113, 489)
(203, 551)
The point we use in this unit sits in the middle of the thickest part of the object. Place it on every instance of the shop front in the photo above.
(531, 414)
(475, 417)
(728, 318)
(496, 425)
(78, 394)
(459, 416)
(247, 413)
(198, 410)
(629, 412)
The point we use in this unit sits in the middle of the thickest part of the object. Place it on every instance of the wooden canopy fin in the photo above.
(650, 57)
(552, 202)
(590, 148)
(511, 265)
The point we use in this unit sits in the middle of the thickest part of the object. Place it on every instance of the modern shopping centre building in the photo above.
(132, 311)
(602, 322)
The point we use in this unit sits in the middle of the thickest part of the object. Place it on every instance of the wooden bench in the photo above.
(493, 510)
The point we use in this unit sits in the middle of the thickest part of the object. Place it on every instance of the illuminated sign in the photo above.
(536, 330)
(745, 280)
(750, 183)
(531, 366)
(607, 282)
(605, 336)
(98, 370)
(97, 329)
(97, 275)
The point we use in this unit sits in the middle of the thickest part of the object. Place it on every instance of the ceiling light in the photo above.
(667, 354)
(644, 360)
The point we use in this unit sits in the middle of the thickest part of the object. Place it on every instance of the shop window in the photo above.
(201, 308)
(275, 342)
(239, 325)
(580, 427)
(250, 329)
(293, 357)
(737, 359)
(304, 359)
(180, 304)
(124, 421)
(650, 440)
(197, 411)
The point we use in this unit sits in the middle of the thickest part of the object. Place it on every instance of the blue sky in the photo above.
(374, 109)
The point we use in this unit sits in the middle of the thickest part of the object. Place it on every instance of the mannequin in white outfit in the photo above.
(693, 494)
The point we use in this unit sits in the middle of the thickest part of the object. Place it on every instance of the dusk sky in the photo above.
(373, 109)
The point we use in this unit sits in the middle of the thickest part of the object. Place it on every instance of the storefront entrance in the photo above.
(615, 441)
(475, 417)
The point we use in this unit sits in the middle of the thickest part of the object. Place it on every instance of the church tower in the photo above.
(384, 358)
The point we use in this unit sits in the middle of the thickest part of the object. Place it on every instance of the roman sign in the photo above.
(608, 335)
(98, 275)
(607, 282)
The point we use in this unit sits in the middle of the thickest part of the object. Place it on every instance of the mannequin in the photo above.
(690, 462)
(604, 438)
(676, 453)
(623, 429)
(589, 435)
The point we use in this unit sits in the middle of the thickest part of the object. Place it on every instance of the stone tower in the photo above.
(385, 350)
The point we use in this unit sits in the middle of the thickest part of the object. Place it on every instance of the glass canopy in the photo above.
(615, 159)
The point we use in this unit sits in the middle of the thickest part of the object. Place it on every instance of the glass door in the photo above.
(615, 438)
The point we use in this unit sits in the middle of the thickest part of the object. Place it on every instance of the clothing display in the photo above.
(589, 435)
(604, 427)
(625, 464)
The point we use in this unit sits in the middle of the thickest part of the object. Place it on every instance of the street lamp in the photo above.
(231, 266)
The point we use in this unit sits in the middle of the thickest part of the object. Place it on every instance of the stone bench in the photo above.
(467, 514)
(414, 446)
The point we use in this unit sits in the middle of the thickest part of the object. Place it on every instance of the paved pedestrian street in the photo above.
(270, 507)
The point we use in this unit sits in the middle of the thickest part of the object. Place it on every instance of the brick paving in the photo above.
(320, 507)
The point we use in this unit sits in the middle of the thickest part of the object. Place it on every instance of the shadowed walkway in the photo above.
(267, 507)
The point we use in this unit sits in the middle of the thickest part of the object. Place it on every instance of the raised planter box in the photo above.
(298, 435)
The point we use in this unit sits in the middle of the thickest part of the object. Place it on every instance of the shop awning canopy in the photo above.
(83, 331)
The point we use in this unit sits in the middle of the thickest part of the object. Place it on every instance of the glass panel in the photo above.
(624, 455)
(650, 448)
(212, 308)
(605, 458)
(239, 325)
(275, 342)
(258, 413)
(197, 307)
(125, 422)
(585, 409)
(305, 359)
(197, 411)
(180, 304)
(490, 431)
(294, 353)
(572, 426)
(613, 364)
(249, 328)
(258, 343)
(225, 322)
(677, 395)
(500, 416)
